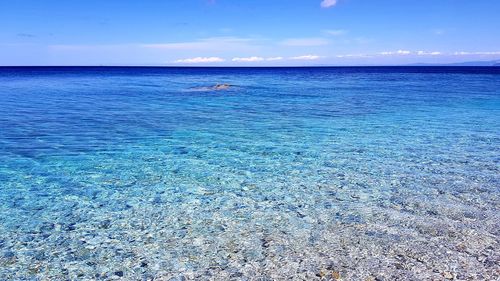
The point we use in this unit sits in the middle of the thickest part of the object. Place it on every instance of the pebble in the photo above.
(448, 275)
(105, 224)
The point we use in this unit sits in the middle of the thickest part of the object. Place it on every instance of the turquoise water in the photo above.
(292, 173)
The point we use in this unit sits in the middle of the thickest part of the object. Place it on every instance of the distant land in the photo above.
(467, 63)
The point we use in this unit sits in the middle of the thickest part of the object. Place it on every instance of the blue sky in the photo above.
(247, 32)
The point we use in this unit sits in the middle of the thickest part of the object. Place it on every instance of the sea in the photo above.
(308, 173)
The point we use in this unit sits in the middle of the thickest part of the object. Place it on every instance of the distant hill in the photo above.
(467, 63)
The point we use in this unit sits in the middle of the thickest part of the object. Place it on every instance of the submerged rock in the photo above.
(216, 87)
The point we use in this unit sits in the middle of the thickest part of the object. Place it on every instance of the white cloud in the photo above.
(306, 57)
(475, 53)
(274, 58)
(354, 56)
(328, 3)
(424, 53)
(398, 52)
(201, 60)
(305, 42)
(249, 59)
(421, 53)
(256, 59)
(335, 32)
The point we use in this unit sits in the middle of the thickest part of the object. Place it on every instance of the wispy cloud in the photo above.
(201, 60)
(306, 57)
(335, 32)
(328, 3)
(421, 53)
(435, 53)
(226, 30)
(259, 59)
(424, 53)
(208, 44)
(256, 59)
(398, 52)
(306, 42)
(204, 44)
(354, 56)
(274, 58)
(438, 31)
(27, 35)
(65, 47)
(475, 53)
(249, 59)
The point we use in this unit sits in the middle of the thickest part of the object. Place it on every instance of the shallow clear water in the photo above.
(305, 173)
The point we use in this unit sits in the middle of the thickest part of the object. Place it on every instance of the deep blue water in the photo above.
(301, 173)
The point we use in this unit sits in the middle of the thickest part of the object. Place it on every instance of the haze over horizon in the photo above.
(248, 33)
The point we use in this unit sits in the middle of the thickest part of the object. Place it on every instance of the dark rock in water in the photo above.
(105, 224)
(221, 86)
(216, 87)
(69, 227)
(46, 227)
(119, 273)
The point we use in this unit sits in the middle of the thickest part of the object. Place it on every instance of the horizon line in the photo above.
(257, 66)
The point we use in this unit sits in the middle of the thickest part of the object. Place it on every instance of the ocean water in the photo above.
(292, 173)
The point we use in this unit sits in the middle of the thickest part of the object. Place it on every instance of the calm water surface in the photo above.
(293, 173)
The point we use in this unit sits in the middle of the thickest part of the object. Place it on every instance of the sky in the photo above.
(248, 32)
